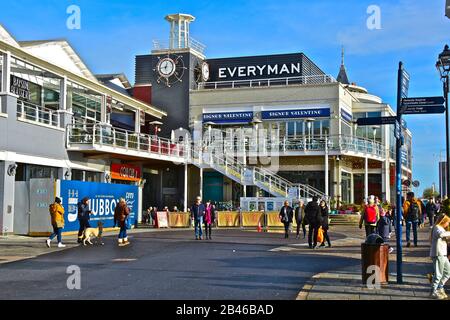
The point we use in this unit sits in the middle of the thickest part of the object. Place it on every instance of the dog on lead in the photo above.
(91, 233)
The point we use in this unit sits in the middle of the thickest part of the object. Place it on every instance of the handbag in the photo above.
(127, 224)
(59, 224)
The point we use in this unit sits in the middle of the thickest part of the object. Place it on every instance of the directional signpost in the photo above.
(426, 105)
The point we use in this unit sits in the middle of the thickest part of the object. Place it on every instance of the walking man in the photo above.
(313, 218)
(121, 213)
(286, 217)
(299, 218)
(197, 213)
(84, 215)
(412, 212)
(431, 210)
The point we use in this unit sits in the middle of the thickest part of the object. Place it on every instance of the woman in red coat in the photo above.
(120, 216)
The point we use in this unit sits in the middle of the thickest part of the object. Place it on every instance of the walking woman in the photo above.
(210, 217)
(120, 216)
(57, 217)
(324, 222)
(438, 253)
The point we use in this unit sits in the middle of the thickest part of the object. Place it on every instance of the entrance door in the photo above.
(21, 208)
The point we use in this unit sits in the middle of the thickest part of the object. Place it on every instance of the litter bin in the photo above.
(374, 252)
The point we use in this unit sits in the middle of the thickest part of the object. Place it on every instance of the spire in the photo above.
(342, 76)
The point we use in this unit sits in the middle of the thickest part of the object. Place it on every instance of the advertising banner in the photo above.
(252, 219)
(179, 220)
(125, 172)
(228, 117)
(162, 221)
(228, 219)
(103, 200)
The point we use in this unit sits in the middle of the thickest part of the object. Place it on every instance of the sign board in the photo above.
(296, 114)
(229, 117)
(423, 110)
(376, 121)
(103, 200)
(346, 116)
(398, 131)
(416, 184)
(423, 101)
(405, 84)
(258, 67)
(162, 219)
(26, 90)
(248, 177)
(125, 172)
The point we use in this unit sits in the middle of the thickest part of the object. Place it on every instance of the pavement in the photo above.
(346, 283)
(235, 265)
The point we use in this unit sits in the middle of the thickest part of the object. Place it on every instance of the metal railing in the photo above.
(31, 112)
(291, 144)
(107, 135)
(236, 170)
(303, 80)
(166, 45)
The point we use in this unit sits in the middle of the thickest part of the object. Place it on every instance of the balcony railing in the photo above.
(31, 112)
(303, 80)
(286, 145)
(106, 135)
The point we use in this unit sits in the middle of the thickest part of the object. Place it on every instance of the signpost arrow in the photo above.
(427, 109)
(378, 121)
(423, 101)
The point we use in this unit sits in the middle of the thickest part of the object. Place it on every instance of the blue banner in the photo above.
(228, 117)
(296, 114)
(103, 200)
(346, 116)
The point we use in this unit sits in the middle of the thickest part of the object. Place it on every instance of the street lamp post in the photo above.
(443, 66)
(156, 127)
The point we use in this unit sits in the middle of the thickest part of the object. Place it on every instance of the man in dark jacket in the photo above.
(313, 217)
(84, 215)
(286, 217)
(431, 210)
(197, 213)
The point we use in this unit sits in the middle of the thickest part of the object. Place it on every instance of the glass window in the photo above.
(346, 129)
(41, 172)
(300, 128)
(325, 127)
(86, 104)
(291, 128)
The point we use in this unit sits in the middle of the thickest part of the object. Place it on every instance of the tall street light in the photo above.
(443, 66)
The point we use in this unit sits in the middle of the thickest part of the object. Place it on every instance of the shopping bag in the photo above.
(320, 235)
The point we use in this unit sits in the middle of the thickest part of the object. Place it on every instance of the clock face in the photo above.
(166, 67)
(205, 72)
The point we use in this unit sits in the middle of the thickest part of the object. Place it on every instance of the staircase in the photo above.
(345, 220)
(251, 176)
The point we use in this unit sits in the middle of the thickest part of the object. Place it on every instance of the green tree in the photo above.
(428, 193)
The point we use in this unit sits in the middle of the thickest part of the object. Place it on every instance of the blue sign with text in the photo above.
(295, 114)
(228, 117)
(103, 200)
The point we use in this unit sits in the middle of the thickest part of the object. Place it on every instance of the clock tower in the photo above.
(172, 69)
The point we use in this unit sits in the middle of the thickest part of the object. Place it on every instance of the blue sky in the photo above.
(113, 32)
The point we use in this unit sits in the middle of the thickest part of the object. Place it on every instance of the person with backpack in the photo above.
(286, 217)
(370, 216)
(412, 212)
(57, 219)
(313, 218)
(84, 215)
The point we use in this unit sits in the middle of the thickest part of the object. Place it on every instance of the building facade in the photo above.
(60, 122)
(278, 119)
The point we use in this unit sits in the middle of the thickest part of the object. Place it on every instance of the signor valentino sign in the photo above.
(293, 114)
(228, 117)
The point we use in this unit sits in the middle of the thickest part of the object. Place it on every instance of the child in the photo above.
(384, 228)
(438, 253)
